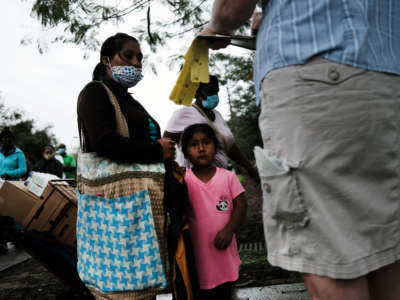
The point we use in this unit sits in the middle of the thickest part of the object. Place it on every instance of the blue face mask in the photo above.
(211, 102)
(61, 151)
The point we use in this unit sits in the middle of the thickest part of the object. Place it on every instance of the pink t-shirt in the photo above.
(189, 115)
(212, 205)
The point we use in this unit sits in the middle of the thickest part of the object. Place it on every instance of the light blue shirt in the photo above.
(14, 164)
(359, 33)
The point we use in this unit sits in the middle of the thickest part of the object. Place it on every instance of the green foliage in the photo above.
(8, 115)
(29, 139)
(257, 271)
(81, 20)
(235, 73)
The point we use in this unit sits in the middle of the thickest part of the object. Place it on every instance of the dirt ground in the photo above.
(30, 280)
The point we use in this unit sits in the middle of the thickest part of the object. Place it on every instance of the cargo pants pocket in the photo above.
(283, 202)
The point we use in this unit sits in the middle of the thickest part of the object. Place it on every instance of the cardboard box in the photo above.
(56, 213)
(16, 201)
(65, 231)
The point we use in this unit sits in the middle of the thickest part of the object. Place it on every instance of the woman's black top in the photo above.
(96, 115)
(50, 166)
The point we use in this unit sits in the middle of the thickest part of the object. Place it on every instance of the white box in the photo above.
(38, 182)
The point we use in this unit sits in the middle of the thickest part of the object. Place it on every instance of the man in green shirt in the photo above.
(69, 162)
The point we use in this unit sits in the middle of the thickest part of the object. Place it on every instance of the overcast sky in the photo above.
(46, 86)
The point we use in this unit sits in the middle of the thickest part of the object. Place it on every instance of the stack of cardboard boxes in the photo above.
(43, 205)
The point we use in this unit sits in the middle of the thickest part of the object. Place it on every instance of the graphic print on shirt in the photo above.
(222, 204)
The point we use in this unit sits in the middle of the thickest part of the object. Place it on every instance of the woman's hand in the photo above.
(5, 176)
(223, 239)
(168, 146)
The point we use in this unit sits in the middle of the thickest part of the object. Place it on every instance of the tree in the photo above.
(241, 96)
(8, 115)
(28, 138)
(81, 20)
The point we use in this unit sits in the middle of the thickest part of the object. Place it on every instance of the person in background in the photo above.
(48, 163)
(203, 110)
(69, 162)
(218, 207)
(327, 79)
(12, 159)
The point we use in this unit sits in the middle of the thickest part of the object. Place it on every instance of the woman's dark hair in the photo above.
(110, 47)
(195, 128)
(213, 85)
(6, 132)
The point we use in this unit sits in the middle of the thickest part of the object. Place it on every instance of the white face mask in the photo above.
(127, 76)
(47, 156)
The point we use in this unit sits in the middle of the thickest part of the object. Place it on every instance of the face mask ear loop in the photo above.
(109, 62)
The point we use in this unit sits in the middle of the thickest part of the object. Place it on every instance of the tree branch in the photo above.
(148, 26)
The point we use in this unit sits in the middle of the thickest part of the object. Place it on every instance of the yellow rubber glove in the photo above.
(194, 71)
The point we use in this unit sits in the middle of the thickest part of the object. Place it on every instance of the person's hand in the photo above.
(223, 239)
(208, 31)
(168, 146)
(215, 45)
(255, 22)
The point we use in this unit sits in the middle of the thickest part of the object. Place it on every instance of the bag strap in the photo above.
(122, 125)
(220, 137)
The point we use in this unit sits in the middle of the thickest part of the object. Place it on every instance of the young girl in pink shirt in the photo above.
(218, 208)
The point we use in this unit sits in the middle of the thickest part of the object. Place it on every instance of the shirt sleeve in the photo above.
(98, 116)
(235, 185)
(21, 170)
(72, 162)
(182, 118)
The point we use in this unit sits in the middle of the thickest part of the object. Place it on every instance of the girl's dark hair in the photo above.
(195, 128)
(213, 84)
(110, 47)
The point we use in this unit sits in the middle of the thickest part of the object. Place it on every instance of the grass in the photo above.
(256, 271)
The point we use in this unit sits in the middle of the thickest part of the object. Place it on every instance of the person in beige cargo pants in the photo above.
(327, 79)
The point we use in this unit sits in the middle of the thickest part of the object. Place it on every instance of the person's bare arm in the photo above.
(237, 156)
(228, 15)
(224, 236)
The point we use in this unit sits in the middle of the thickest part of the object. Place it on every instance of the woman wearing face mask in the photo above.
(203, 111)
(12, 159)
(120, 178)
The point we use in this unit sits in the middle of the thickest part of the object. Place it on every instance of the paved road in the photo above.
(294, 291)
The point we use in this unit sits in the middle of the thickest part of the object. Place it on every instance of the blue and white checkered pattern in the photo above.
(117, 243)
